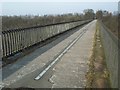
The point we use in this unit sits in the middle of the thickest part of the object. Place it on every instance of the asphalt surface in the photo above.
(23, 72)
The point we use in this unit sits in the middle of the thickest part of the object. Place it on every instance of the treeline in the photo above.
(13, 22)
(110, 20)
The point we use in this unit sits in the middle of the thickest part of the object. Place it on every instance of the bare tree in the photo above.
(89, 14)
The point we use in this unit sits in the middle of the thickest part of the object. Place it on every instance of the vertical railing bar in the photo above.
(21, 40)
(9, 42)
(6, 45)
(24, 39)
(3, 44)
(18, 39)
(12, 37)
(17, 44)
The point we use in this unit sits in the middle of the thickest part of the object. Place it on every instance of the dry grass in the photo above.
(98, 75)
(112, 24)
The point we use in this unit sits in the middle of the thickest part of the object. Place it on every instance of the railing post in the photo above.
(3, 45)
(6, 44)
(9, 43)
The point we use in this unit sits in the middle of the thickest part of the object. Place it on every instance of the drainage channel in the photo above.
(60, 55)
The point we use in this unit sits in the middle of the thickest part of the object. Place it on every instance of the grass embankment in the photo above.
(98, 75)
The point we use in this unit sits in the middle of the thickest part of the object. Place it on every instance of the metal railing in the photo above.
(16, 40)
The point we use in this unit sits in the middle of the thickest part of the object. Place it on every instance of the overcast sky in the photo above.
(42, 8)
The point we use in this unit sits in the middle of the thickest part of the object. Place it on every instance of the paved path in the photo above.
(68, 72)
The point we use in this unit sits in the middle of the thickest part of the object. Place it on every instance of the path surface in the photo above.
(68, 72)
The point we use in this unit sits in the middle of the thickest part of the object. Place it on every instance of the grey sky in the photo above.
(41, 8)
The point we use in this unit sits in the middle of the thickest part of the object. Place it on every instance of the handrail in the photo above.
(16, 40)
(39, 26)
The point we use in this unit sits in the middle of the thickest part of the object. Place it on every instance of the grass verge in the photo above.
(98, 74)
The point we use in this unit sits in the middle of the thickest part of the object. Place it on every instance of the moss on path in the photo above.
(98, 75)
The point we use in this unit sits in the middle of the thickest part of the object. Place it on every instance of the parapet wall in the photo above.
(110, 43)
